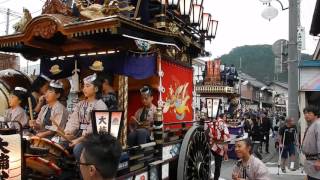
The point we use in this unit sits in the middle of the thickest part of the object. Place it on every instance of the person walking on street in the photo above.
(287, 141)
(247, 126)
(256, 136)
(266, 126)
(311, 143)
(218, 136)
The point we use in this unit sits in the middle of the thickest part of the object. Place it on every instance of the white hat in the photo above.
(241, 137)
(20, 89)
(90, 79)
(45, 77)
(146, 90)
(56, 84)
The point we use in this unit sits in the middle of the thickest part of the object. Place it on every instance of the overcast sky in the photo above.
(240, 22)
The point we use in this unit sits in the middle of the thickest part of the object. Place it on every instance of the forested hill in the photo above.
(256, 60)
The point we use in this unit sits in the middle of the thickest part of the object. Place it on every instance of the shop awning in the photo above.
(315, 25)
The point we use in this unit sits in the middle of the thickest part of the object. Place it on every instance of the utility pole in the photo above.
(293, 61)
(7, 23)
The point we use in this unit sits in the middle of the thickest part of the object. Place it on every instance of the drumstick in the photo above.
(30, 108)
(139, 123)
(60, 132)
(30, 111)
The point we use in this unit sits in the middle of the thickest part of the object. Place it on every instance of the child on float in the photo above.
(39, 88)
(79, 122)
(142, 121)
(109, 95)
(17, 100)
(53, 115)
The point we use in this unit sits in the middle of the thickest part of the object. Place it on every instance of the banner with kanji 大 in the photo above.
(177, 97)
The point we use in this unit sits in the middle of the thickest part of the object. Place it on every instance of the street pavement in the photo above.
(271, 161)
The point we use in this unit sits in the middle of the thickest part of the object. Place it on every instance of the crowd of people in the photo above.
(288, 136)
(258, 125)
(98, 155)
(219, 137)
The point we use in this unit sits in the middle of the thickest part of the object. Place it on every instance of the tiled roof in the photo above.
(253, 81)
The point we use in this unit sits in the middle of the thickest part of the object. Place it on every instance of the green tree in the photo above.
(256, 60)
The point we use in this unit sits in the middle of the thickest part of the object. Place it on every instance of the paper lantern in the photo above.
(196, 14)
(10, 156)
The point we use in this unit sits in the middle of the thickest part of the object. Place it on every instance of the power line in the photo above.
(16, 18)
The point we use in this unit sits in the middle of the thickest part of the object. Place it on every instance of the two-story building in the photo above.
(280, 95)
(254, 94)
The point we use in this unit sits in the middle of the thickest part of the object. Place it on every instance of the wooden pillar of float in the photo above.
(123, 104)
(158, 119)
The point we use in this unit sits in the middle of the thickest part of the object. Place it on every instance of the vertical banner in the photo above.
(210, 71)
(178, 84)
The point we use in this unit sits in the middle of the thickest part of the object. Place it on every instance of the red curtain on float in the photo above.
(178, 84)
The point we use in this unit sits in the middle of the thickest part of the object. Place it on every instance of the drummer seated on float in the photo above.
(79, 122)
(143, 119)
(53, 115)
(17, 100)
(109, 96)
(39, 88)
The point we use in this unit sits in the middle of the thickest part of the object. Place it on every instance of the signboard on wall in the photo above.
(177, 95)
(310, 79)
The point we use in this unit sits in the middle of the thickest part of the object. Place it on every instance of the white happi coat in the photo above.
(254, 169)
(80, 119)
(16, 114)
(59, 115)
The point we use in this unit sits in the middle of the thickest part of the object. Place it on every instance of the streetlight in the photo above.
(293, 54)
(270, 12)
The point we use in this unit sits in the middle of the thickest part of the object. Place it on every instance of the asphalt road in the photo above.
(272, 165)
(271, 161)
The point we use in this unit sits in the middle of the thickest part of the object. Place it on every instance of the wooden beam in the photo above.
(45, 46)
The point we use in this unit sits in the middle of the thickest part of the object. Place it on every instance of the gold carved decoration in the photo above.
(56, 7)
(45, 29)
(173, 28)
(108, 8)
(21, 25)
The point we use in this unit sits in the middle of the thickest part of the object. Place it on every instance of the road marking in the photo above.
(271, 163)
(274, 170)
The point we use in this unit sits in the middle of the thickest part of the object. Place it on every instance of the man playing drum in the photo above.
(79, 122)
(53, 114)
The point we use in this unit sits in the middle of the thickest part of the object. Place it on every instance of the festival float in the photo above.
(141, 42)
(217, 89)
